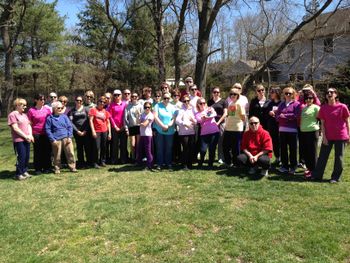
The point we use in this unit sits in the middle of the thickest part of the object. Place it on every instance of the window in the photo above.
(328, 45)
(296, 77)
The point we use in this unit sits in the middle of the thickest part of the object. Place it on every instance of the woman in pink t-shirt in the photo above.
(37, 116)
(21, 136)
(335, 129)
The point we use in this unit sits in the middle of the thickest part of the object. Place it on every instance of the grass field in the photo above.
(120, 214)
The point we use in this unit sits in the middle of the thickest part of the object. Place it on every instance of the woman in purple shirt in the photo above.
(37, 116)
(287, 114)
(210, 132)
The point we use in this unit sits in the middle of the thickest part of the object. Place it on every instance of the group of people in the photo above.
(181, 126)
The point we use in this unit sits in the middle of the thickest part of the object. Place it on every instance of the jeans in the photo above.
(220, 142)
(119, 147)
(289, 139)
(164, 146)
(82, 143)
(308, 145)
(187, 143)
(145, 146)
(232, 146)
(42, 152)
(209, 140)
(263, 161)
(22, 150)
(100, 148)
(323, 158)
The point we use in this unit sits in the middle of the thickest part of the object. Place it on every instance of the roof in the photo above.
(244, 66)
(328, 24)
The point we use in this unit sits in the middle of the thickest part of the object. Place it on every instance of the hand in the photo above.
(83, 133)
(324, 140)
(272, 113)
(69, 141)
(94, 135)
(109, 137)
(117, 129)
(80, 133)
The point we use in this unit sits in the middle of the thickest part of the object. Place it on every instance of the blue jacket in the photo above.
(58, 127)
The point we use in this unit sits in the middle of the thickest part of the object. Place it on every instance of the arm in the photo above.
(17, 130)
(348, 126)
(224, 115)
(323, 131)
(157, 120)
(109, 137)
(48, 130)
(71, 118)
(91, 121)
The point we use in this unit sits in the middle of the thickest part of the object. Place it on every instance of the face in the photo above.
(157, 97)
(100, 104)
(164, 88)
(186, 101)
(134, 97)
(147, 108)
(166, 98)
(40, 101)
(201, 104)
(216, 93)
(147, 93)
(288, 94)
(260, 91)
(21, 107)
(193, 90)
(234, 94)
(64, 102)
(78, 101)
(89, 98)
(126, 94)
(189, 83)
(108, 99)
(58, 110)
(53, 98)
(309, 100)
(176, 97)
(331, 94)
(117, 97)
(254, 124)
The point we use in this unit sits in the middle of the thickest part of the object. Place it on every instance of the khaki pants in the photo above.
(68, 149)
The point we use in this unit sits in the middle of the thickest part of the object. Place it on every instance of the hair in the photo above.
(308, 93)
(158, 92)
(164, 84)
(78, 96)
(37, 97)
(259, 86)
(335, 91)
(18, 102)
(102, 98)
(166, 93)
(185, 97)
(198, 101)
(56, 104)
(237, 86)
(108, 94)
(277, 91)
(62, 98)
(147, 103)
(234, 89)
(146, 88)
(90, 93)
(308, 86)
(292, 91)
(175, 92)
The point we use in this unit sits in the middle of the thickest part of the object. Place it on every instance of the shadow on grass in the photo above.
(7, 174)
(240, 173)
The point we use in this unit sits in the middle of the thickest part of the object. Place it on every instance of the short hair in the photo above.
(62, 98)
(292, 90)
(146, 89)
(175, 92)
(308, 86)
(19, 101)
(235, 90)
(90, 93)
(335, 91)
(39, 96)
(259, 86)
(56, 104)
(237, 86)
(277, 91)
(147, 103)
(185, 97)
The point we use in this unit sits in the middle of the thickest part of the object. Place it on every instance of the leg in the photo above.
(237, 147)
(293, 145)
(243, 159)
(264, 161)
(148, 150)
(56, 150)
(338, 159)
(227, 141)
(284, 149)
(220, 142)
(20, 151)
(168, 151)
(68, 149)
(123, 147)
(318, 172)
(204, 146)
(97, 148)
(103, 148)
(160, 149)
(36, 157)
(212, 147)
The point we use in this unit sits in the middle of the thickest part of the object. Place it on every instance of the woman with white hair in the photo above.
(59, 129)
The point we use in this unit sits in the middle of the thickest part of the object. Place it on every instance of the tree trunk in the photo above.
(201, 62)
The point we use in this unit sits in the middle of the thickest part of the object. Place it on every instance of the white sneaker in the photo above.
(27, 175)
(252, 170)
(264, 172)
(221, 161)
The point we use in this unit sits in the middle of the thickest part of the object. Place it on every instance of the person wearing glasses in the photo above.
(21, 132)
(79, 117)
(37, 116)
(101, 131)
(145, 144)
(89, 99)
(287, 116)
(164, 116)
(126, 96)
(89, 104)
(64, 101)
(108, 97)
(209, 132)
(59, 129)
(234, 128)
(309, 132)
(243, 100)
(132, 115)
(175, 94)
(220, 107)
(258, 106)
(186, 122)
(188, 84)
(157, 98)
(256, 148)
(164, 88)
(146, 95)
(53, 97)
(335, 127)
(272, 124)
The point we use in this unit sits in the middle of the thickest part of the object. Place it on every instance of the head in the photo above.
(289, 93)
(39, 99)
(307, 87)
(331, 95)
(101, 102)
(164, 88)
(216, 92)
(189, 82)
(237, 86)
(186, 101)
(108, 96)
(117, 95)
(309, 97)
(78, 101)
(260, 91)
(63, 100)
(126, 95)
(234, 94)
(89, 96)
(20, 104)
(57, 108)
(275, 93)
(254, 124)
(201, 104)
(134, 97)
(166, 98)
(53, 97)
(147, 107)
(175, 94)
(193, 90)
(147, 92)
(158, 96)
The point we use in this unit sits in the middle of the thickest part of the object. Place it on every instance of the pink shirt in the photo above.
(208, 125)
(117, 113)
(38, 118)
(335, 118)
(23, 123)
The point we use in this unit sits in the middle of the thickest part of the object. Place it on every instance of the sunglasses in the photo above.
(164, 87)
(63, 101)
(287, 93)
(102, 102)
(108, 98)
(253, 123)
(89, 97)
(157, 96)
(42, 99)
(116, 95)
(309, 98)
(260, 90)
(59, 108)
(176, 95)
(145, 108)
(330, 91)
(53, 97)
(201, 103)
(188, 81)
(24, 105)
(233, 94)
(134, 96)
(78, 100)
(186, 100)
(166, 98)
(193, 89)
(216, 92)
(125, 93)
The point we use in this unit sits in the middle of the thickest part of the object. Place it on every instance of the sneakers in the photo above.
(333, 181)
(264, 172)
(57, 172)
(221, 161)
(302, 165)
(27, 175)
(283, 170)
(74, 170)
(252, 170)
(20, 177)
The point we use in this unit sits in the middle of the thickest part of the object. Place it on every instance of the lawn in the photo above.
(121, 214)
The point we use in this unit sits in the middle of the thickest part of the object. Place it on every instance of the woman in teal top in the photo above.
(309, 132)
(164, 116)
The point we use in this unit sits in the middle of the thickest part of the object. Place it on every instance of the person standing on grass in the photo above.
(126, 96)
(287, 117)
(145, 144)
(21, 136)
(59, 129)
(335, 127)
(309, 132)
(89, 104)
(209, 132)
(186, 122)
(164, 116)
(37, 116)
(101, 132)
(79, 117)
(256, 148)
(220, 107)
(258, 105)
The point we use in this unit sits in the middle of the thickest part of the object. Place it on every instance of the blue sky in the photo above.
(70, 9)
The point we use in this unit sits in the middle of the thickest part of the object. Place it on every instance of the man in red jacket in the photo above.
(256, 147)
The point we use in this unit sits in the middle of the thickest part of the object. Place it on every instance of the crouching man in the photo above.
(256, 147)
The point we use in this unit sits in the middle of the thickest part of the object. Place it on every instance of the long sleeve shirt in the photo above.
(287, 116)
(58, 127)
(258, 141)
(132, 114)
(186, 121)
(208, 125)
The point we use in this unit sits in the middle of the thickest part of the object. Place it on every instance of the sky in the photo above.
(70, 9)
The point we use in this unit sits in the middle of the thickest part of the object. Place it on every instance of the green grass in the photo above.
(119, 214)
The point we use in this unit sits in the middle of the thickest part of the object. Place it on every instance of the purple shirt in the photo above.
(22, 122)
(287, 115)
(208, 125)
(117, 113)
(38, 117)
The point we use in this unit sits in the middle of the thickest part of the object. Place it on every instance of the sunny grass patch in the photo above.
(116, 215)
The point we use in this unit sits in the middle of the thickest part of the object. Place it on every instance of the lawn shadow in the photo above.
(126, 168)
(241, 173)
(7, 174)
